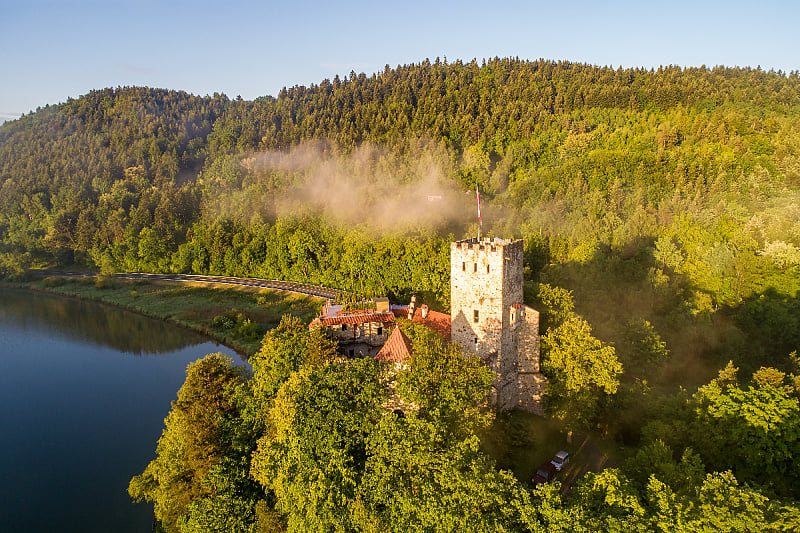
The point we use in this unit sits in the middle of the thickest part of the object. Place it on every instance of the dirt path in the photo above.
(589, 453)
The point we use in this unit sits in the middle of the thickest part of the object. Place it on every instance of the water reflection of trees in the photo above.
(91, 322)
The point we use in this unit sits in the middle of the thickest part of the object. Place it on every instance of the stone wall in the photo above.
(490, 320)
(364, 339)
(528, 339)
(476, 285)
(531, 391)
(530, 382)
(485, 281)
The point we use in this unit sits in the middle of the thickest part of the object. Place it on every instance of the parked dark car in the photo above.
(545, 474)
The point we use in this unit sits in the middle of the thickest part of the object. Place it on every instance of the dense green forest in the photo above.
(304, 444)
(661, 216)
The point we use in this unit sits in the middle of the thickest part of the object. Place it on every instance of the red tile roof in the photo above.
(438, 322)
(354, 319)
(517, 306)
(397, 347)
(400, 312)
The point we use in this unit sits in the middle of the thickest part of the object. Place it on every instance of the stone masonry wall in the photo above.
(531, 391)
(528, 340)
(476, 284)
(512, 296)
(485, 280)
(531, 383)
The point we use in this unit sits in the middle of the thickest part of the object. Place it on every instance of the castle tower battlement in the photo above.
(490, 319)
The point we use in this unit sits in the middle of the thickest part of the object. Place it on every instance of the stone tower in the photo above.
(489, 318)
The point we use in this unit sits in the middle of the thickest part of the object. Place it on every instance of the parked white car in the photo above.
(560, 459)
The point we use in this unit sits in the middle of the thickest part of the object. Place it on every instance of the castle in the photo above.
(487, 318)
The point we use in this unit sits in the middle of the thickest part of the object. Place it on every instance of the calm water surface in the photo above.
(84, 389)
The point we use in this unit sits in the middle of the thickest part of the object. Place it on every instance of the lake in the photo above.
(84, 390)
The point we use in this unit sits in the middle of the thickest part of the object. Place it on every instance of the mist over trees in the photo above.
(572, 156)
(661, 216)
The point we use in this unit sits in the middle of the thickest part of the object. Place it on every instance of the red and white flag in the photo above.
(478, 194)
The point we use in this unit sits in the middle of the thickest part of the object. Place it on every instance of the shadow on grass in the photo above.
(521, 442)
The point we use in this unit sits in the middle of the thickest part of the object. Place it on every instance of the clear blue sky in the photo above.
(52, 50)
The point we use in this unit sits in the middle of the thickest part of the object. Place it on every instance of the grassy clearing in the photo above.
(521, 442)
(235, 316)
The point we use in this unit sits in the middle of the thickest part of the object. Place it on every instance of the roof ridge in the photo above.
(397, 348)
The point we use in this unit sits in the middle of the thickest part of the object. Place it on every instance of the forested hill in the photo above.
(80, 174)
(147, 179)
(494, 105)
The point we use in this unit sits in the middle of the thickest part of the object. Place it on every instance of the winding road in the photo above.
(289, 286)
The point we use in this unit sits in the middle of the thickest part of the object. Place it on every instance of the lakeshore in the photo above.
(237, 317)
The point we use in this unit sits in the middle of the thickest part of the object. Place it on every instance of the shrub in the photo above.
(222, 322)
(248, 330)
(20, 276)
(52, 281)
(104, 282)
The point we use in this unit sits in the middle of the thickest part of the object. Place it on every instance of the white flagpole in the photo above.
(480, 221)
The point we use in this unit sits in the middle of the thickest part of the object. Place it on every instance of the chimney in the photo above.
(382, 305)
(424, 309)
(411, 307)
